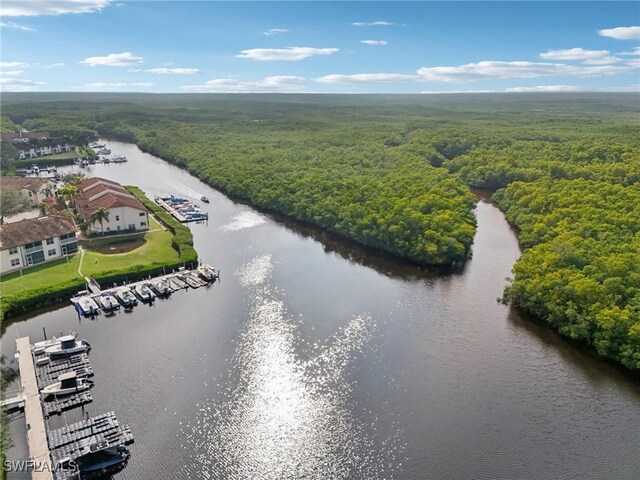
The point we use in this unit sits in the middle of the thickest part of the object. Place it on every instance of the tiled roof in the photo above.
(33, 230)
(29, 183)
(102, 193)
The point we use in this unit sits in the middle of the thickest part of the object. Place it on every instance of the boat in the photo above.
(44, 360)
(119, 159)
(104, 151)
(38, 348)
(204, 199)
(175, 199)
(143, 292)
(207, 272)
(126, 298)
(68, 346)
(35, 169)
(160, 287)
(102, 460)
(107, 302)
(87, 306)
(67, 384)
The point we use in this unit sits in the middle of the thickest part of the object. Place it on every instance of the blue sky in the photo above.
(341, 47)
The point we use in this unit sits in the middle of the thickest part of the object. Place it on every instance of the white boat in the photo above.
(107, 302)
(38, 348)
(67, 384)
(207, 272)
(68, 346)
(160, 287)
(143, 292)
(42, 361)
(87, 306)
(119, 159)
(127, 299)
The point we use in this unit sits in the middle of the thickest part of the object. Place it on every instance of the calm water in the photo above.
(313, 359)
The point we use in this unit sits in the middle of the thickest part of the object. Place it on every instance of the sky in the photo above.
(318, 47)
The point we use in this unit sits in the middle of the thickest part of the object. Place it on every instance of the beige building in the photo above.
(34, 241)
(34, 188)
(126, 213)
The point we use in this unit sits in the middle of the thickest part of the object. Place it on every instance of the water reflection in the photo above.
(288, 410)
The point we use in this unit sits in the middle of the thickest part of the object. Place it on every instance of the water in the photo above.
(314, 359)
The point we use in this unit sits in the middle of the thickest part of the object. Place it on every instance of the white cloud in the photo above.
(125, 59)
(545, 88)
(275, 31)
(368, 78)
(17, 26)
(574, 54)
(591, 57)
(52, 65)
(289, 54)
(29, 8)
(13, 64)
(101, 86)
(11, 73)
(379, 23)
(444, 92)
(374, 42)
(506, 70)
(633, 63)
(621, 33)
(636, 51)
(19, 80)
(276, 83)
(173, 71)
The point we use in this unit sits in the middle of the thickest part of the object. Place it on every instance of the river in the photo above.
(314, 359)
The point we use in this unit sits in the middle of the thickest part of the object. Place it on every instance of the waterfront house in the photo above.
(126, 213)
(33, 188)
(33, 241)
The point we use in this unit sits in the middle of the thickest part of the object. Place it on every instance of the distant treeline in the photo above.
(391, 172)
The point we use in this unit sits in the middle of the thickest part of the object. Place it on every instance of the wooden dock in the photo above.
(36, 431)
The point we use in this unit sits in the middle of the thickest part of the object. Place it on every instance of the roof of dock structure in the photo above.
(34, 229)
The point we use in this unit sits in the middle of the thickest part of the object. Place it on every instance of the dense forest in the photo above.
(392, 173)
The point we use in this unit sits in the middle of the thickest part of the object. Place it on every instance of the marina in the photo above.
(182, 209)
(94, 300)
(57, 386)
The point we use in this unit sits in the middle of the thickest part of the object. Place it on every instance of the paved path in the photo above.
(81, 258)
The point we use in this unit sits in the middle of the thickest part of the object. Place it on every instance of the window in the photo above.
(118, 228)
(68, 235)
(142, 214)
(108, 229)
(33, 245)
(117, 218)
(49, 241)
(15, 262)
(51, 252)
(13, 251)
(142, 224)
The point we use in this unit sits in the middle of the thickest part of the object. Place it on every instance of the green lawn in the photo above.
(48, 274)
(42, 281)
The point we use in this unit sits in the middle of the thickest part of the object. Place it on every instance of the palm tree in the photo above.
(69, 193)
(100, 215)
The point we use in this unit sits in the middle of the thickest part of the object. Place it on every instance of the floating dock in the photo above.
(171, 208)
(52, 448)
(179, 280)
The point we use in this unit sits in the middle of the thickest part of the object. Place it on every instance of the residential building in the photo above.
(33, 241)
(126, 213)
(34, 188)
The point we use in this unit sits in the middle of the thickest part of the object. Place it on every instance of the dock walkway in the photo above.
(36, 431)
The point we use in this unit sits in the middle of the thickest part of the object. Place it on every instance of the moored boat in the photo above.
(68, 346)
(87, 306)
(102, 460)
(160, 287)
(204, 199)
(67, 384)
(108, 302)
(143, 292)
(207, 272)
(126, 298)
